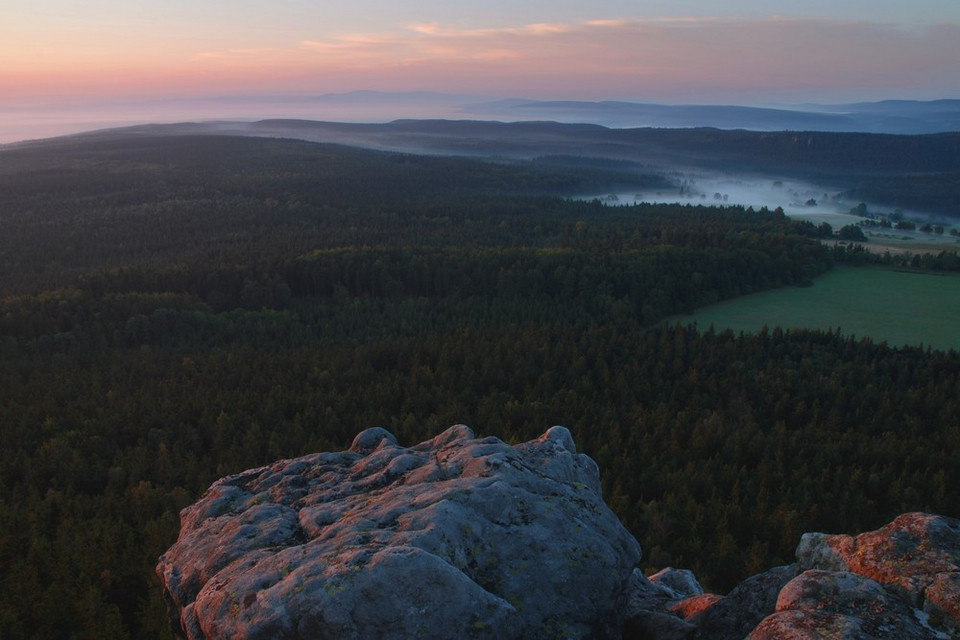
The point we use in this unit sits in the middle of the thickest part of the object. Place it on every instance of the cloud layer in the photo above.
(691, 59)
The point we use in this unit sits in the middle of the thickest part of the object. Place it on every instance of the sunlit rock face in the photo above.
(456, 537)
(900, 581)
(460, 537)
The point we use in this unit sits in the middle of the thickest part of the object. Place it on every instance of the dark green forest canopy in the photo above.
(79, 205)
(177, 309)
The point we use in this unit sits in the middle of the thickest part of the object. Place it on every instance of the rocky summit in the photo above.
(465, 537)
(456, 537)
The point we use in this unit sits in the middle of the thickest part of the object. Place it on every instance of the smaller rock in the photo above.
(648, 614)
(839, 604)
(808, 625)
(369, 439)
(733, 617)
(680, 583)
(815, 551)
(654, 625)
(689, 607)
(644, 596)
(942, 602)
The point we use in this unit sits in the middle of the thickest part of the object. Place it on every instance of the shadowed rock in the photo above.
(647, 611)
(453, 537)
(735, 615)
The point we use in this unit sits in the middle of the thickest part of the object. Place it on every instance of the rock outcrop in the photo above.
(460, 537)
(840, 604)
(902, 580)
(456, 537)
(899, 581)
(736, 614)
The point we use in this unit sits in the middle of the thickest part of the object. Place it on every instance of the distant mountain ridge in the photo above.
(887, 116)
(893, 116)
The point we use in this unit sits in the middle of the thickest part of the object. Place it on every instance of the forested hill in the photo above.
(174, 309)
(909, 171)
(82, 204)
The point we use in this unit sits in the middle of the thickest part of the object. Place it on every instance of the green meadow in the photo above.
(901, 308)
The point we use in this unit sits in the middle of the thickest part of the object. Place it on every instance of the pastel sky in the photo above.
(746, 52)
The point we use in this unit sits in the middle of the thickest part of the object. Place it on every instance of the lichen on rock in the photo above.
(901, 580)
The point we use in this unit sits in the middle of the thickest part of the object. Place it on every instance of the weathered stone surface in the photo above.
(454, 537)
(689, 607)
(942, 602)
(647, 610)
(916, 556)
(809, 625)
(680, 583)
(816, 552)
(733, 617)
(840, 604)
(655, 625)
(643, 595)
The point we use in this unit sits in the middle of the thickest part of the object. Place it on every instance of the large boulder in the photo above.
(453, 537)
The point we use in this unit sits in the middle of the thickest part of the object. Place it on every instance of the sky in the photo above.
(69, 52)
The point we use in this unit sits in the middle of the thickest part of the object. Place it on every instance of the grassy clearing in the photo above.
(901, 308)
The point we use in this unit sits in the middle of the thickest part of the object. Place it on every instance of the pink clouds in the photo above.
(708, 59)
(644, 58)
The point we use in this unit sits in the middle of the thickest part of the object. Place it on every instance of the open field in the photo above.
(901, 308)
(900, 241)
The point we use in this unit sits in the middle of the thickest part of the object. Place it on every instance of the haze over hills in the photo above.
(895, 116)
(889, 116)
(22, 122)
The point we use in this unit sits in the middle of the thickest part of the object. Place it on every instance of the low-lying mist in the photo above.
(723, 189)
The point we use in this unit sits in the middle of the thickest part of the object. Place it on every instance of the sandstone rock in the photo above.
(838, 604)
(689, 607)
(942, 602)
(655, 625)
(917, 556)
(816, 552)
(809, 625)
(733, 617)
(647, 610)
(643, 595)
(680, 583)
(453, 537)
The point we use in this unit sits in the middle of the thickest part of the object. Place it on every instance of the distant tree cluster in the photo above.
(851, 233)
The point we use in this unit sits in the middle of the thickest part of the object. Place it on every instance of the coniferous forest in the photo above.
(176, 309)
